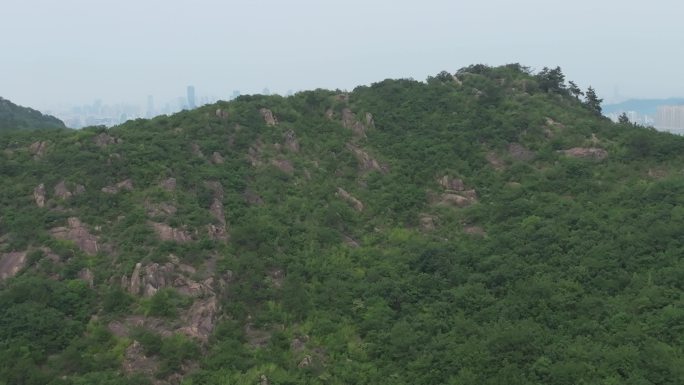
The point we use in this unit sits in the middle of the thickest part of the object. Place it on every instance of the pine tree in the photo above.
(592, 101)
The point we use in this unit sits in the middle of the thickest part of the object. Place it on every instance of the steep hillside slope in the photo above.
(14, 117)
(485, 227)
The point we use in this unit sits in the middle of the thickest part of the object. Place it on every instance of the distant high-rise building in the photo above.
(266, 91)
(191, 97)
(236, 93)
(670, 118)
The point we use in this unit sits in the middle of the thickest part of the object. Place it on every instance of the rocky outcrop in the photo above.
(126, 185)
(146, 280)
(168, 184)
(593, 153)
(254, 154)
(86, 275)
(11, 264)
(200, 319)
(38, 149)
(283, 165)
(268, 116)
(217, 231)
(474, 230)
(222, 114)
(518, 152)
(455, 200)
(350, 121)
(196, 150)
(367, 162)
(291, 142)
(451, 184)
(136, 362)
(104, 140)
(344, 195)
(168, 233)
(160, 209)
(39, 195)
(305, 362)
(216, 158)
(76, 232)
(330, 114)
(63, 192)
(455, 193)
(427, 222)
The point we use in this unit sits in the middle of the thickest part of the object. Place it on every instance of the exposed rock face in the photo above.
(62, 192)
(135, 361)
(268, 116)
(427, 222)
(200, 319)
(160, 209)
(217, 212)
(586, 152)
(455, 193)
(451, 184)
(11, 264)
(254, 154)
(104, 140)
(455, 200)
(370, 122)
(79, 234)
(305, 362)
(126, 185)
(330, 114)
(350, 121)
(38, 149)
(474, 230)
(349, 241)
(148, 279)
(355, 203)
(196, 150)
(87, 276)
(518, 152)
(291, 142)
(283, 165)
(168, 233)
(216, 158)
(168, 184)
(366, 162)
(39, 195)
(222, 114)
(298, 343)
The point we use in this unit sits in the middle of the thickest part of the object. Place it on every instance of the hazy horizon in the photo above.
(74, 52)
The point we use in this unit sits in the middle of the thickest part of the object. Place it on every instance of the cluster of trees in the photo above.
(565, 271)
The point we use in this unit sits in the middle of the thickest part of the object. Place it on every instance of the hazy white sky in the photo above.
(75, 51)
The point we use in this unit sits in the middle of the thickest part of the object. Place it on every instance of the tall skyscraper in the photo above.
(191, 97)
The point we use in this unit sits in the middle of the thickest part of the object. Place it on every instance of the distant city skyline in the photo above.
(72, 52)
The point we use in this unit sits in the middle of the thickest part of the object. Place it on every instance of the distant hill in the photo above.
(14, 117)
(641, 106)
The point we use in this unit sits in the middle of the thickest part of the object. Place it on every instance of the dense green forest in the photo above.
(14, 117)
(482, 227)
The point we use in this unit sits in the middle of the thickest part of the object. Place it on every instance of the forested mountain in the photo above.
(482, 227)
(14, 117)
